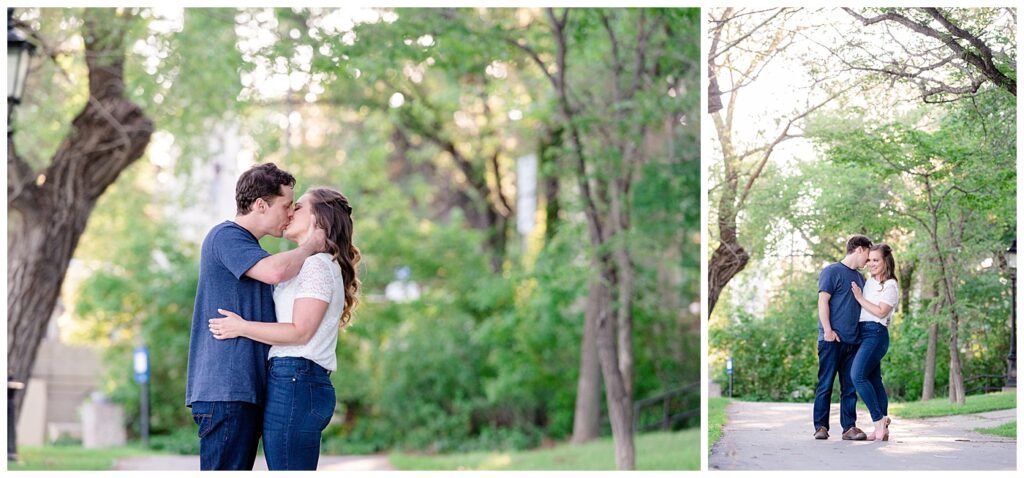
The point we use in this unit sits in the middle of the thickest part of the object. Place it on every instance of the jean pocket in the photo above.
(321, 403)
(202, 414)
(282, 371)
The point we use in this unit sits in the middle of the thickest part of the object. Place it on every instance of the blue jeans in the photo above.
(229, 434)
(300, 403)
(867, 368)
(835, 358)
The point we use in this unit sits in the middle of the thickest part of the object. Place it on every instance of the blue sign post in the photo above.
(140, 364)
(728, 371)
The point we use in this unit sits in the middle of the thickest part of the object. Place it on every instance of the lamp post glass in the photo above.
(17, 69)
(19, 54)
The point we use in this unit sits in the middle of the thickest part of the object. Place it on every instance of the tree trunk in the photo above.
(546, 153)
(906, 280)
(50, 211)
(928, 392)
(928, 291)
(586, 423)
(956, 378)
(727, 261)
(620, 405)
(625, 276)
(729, 258)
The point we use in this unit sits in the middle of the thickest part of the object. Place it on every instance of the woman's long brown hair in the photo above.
(887, 259)
(334, 215)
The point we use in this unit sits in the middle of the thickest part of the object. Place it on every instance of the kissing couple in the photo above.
(265, 326)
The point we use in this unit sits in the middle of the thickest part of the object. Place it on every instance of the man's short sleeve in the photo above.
(238, 250)
(315, 280)
(890, 293)
(826, 281)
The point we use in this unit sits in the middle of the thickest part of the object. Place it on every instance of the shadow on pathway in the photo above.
(191, 462)
(778, 436)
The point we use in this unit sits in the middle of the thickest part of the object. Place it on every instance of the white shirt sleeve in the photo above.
(890, 293)
(315, 280)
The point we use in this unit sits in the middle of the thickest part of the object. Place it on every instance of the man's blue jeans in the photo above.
(835, 358)
(867, 368)
(300, 403)
(229, 434)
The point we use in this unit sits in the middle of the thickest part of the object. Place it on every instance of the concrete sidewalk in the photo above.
(191, 462)
(778, 436)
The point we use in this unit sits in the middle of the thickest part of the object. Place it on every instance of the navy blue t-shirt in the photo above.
(844, 311)
(232, 370)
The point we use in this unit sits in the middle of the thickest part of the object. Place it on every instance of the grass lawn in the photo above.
(72, 457)
(1008, 430)
(654, 451)
(940, 407)
(716, 419)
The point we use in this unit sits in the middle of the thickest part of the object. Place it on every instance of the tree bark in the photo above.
(620, 405)
(928, 388)
(906, 283)
(625, 276)
(957, 393)
(50, 211)
(547, 151)
(928, 391)
(586, 424)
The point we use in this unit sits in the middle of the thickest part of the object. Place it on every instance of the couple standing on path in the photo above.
(853, 336)
(260, 356)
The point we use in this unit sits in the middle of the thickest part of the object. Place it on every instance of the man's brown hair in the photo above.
(260, 181)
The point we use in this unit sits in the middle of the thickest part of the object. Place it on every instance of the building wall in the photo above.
(63, 377)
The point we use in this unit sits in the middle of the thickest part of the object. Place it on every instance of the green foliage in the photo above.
(774, 357)
(142, 292)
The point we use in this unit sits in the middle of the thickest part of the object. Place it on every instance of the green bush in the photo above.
(183, 441)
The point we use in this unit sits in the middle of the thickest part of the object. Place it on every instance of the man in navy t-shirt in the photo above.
(838, 316)
(227, 379)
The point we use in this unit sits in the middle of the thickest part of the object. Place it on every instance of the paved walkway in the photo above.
(191, 462)
(778, 436)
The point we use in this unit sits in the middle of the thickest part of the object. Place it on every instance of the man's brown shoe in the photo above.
(821, 434)
(855, 433)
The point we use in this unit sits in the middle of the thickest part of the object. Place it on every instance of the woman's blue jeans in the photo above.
(300, 403)
(867, 368)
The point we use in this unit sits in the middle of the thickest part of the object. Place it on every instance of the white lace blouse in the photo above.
(320, 278)
(876, 293)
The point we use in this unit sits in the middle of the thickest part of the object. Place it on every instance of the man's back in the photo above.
(235, 369)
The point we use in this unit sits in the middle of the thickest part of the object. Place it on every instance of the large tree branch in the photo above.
(21, 187)
(783, 136)
(714, 54)
(982, 59)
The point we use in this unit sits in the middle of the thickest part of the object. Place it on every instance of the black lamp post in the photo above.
(1011, 359)
(19, 53)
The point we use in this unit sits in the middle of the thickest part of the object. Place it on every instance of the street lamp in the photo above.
(19, 55)
(1011, 359)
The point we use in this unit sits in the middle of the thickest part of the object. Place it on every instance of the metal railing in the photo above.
(984, 383)
(672, 409)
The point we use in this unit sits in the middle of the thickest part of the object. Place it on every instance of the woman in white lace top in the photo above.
(311, 308)
(877, 303)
